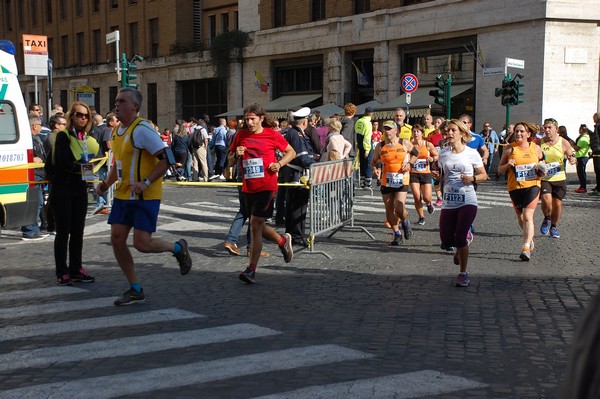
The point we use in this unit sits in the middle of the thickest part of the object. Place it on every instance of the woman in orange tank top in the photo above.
(394, 155)
(521, 161)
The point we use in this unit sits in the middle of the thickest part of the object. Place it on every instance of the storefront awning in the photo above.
(420, 104)
(290, 103)
(234, 112)
(327, 110)
(360, 109)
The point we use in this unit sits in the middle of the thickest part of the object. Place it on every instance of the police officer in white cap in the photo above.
(297, 198)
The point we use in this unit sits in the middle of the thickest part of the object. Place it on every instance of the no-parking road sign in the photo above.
(409, 83)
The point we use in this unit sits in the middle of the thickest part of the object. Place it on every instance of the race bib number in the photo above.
(394, 180)
(552, 168)
(454, 198)
(253, 168)
(420, 165)
(525, 172)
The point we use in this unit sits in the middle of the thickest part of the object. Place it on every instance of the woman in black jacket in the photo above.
(69, 173)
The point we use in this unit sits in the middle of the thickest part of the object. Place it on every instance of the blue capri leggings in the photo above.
(454, 225)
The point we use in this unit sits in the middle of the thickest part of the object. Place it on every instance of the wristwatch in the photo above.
(147, 182)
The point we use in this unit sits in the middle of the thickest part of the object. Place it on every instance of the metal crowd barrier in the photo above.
(331, 200)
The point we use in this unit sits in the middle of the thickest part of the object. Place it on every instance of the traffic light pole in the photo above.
(507, 122)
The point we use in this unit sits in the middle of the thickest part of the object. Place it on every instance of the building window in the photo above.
(133, 38)
(224, 22)
(8, 18)
(51, 48)
(206, 96)
(80, 48)
(96, 6)
(236, 25)
(278, 13)
(361, 6)
(62, 9)
(154, 40)
(318, 10)
(64, 100)
(298, 79)
(212, 28)
(64, 48)
(21, 13)
(78, 8)
(34, 12)
(152, 102)
(49, 11)
(114, 3)
(97, 46)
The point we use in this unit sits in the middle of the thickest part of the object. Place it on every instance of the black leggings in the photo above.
(69, 207)
(454, 225)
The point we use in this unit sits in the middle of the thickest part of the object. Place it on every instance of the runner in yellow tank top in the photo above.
(420, 172)
(394, 155)
(521, 160)
(554, 183)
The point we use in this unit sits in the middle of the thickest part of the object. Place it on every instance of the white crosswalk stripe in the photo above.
(426, 382)
(34, 330)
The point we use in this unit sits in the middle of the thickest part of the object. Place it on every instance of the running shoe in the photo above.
(430, 208)
(83, 277)
(421, 221)
(64, 280)
(438, 203)
(287, 249)
(183, 258)
(525, 254)
(545, 227)
(130, 297)
(248, 276)
(581, 190)
(469, 237)
(445, 248)
(407, 230)
(594, 193)
(232, 248)
(554, 232)
(397, 240)
(462, 280)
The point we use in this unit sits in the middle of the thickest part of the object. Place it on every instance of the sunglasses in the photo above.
(81, 115)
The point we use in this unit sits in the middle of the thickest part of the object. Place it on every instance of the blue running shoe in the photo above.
(248, 276)
(407, 230)
(545, 227)
(554, 232)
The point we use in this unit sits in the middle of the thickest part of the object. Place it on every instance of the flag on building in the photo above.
(360, 76)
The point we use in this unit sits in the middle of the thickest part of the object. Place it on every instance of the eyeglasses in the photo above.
(36, 124)
(81, 115)
(465, 122)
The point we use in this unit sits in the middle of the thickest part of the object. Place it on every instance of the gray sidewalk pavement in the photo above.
(508, 334)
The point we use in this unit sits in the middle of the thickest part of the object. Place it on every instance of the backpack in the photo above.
(196, 138)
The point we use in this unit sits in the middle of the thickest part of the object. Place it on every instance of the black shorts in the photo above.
(390, 190)
(421, 178)
(260, 204)
(525, 197)
(558, 189)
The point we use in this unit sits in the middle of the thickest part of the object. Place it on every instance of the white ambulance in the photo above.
(18, 198)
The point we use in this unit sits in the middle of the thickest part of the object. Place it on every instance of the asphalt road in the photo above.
(374, 321)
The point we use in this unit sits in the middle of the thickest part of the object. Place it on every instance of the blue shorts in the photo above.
(141, 214)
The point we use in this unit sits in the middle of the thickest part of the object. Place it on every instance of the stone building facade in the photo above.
(314, 48)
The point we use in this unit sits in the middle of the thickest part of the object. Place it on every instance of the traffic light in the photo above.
(439, 94)
(128, 69)
(505, 91)
(515, 90)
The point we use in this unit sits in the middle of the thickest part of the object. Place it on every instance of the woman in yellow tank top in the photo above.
(394, 155)
(521, 161)
(420, 172)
